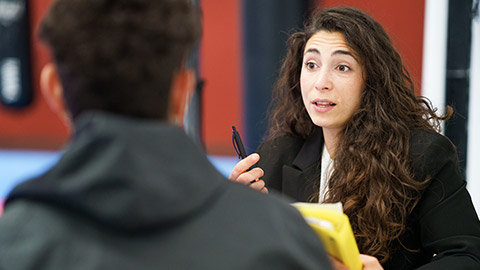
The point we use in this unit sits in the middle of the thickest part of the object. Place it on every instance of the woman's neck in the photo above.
(330, 137)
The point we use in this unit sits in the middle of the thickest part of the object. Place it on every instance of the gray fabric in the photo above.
(138, 194)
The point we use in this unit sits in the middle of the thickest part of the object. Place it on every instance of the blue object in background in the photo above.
(18, 166)
(224, 164)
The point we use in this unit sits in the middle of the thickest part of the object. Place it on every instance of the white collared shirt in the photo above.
(326, 172)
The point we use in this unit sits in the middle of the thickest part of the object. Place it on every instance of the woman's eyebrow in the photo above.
(312, 50)
(337, 52)
(344, 52)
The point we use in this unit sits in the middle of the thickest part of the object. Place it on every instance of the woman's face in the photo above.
(331, 80)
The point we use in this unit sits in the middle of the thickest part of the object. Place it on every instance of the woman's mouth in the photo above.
(323, 105)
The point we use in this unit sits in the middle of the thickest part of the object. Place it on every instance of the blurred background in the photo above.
(237, 62)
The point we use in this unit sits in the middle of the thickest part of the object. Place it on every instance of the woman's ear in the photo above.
(180, 94)
(52, 91)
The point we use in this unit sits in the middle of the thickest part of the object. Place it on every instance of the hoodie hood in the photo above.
(129, 174)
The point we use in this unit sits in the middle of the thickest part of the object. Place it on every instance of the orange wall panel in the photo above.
(221, 68)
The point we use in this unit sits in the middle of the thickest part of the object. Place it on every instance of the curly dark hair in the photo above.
(372, 176)
(120, 55)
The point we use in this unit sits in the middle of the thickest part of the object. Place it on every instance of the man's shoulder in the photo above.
(26, 230)
(28, 217)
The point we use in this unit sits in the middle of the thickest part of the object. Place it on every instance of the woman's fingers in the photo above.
(250, 177)
(243, 175)
(243, 165)
(370, 262)
(260, 186)
(337, 265)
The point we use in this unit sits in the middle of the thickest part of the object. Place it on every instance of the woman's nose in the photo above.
(323, 80)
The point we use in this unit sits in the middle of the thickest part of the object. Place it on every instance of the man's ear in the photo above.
(52, 91)
(183, 85)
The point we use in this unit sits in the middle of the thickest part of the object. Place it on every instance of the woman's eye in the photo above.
(343, 68)
(310, 65)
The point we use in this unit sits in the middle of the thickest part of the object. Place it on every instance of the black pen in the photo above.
(238, 144)
(239, 148)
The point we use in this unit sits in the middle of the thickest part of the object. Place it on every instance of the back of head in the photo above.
(120, 55)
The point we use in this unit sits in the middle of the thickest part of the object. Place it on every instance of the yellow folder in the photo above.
(333, 228)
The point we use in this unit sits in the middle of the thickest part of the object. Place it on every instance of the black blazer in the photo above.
(443, 232)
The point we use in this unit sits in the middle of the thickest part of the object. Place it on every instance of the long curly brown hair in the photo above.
(372, 176)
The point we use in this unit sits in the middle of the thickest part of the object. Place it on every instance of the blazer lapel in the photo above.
(301, 180)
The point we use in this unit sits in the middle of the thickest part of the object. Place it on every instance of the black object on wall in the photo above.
(15, 70)
(458, 73)
(266, 27)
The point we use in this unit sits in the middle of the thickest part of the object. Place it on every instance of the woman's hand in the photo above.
(369, 263)
(250, 178)
(337, 265)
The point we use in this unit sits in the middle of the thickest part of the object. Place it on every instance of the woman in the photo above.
(347, 127)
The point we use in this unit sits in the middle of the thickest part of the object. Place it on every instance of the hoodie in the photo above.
(138, 194)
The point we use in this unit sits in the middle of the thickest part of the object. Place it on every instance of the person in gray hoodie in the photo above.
(131, 190)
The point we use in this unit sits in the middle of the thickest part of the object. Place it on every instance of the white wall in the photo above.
(473, 150)
(435, 52)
